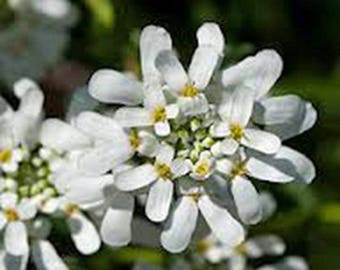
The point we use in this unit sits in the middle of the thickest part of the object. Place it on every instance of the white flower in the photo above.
(180, 226)
(110, 86)
(159, 176)
(290, 262)
(156, 113)
(187, 87)
(255, 247)
(235, 112)
(12, 217)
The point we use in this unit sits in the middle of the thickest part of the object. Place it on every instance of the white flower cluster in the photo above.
(36, 39)
(185, 147)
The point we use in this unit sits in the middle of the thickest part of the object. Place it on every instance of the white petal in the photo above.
(181, 225)
(26, 209)
(162, 129)
(260, 246)
(15, 239)
(278, 110)
(105, 157)
(133, 117)
(262, 141)
(288, 263)
(299, 124)
(224, 166)
(9, 262)
(84, 234)
(153, 96)
(190, 106)
(88, 191)
(171, 69)
(110, 86)
(3, 221)
(159, 200)
(31, 103)
(237, 262)
(8, 200)
(268, 204)
(99, 126)
(229, 146)
(180, 167)
(153, 39)
(202, 66)
(303, 168)
(149, 144)
(135, 178)
(241, 107)
(46, 257)
(116, 225)
(268, 169)
(172, 111)
(61, 136)
(210, 34)
(258, 72)
(165, 154)
(22, 86)
(246, 200)
(220, 130)
(226, 228)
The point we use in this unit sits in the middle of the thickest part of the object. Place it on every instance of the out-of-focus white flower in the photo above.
(291, 263)
(236, 257)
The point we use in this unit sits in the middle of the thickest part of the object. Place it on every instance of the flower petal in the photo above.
(165, 154)
(110, 86)
(229, 146)
(153, 39)
(171, 69)
(246, 200)
(258, 72)
(8, 200)
(159, 200)
(224, 166)
(61, 136)
(99, 126)
(133, 117)
(105, 157)
(210, 34)
(260, 140)
(291, 263)
(202, 66)
(179, 228)
(263, 245)
(26, 209)
(237, 262)
(180, 167)
(226, 228)
(190, 106)
(16, 239)
(162, 129)
(149, 144)
(31, 103)
(84, 234)
(46, 257)
(116, 225)
(135, 178)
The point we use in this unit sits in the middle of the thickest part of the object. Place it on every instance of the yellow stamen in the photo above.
(203, 246)
(236, 132)
(135, 140)
(163, 170)
(241, 249)
(70, 209)
(5, 156)
(203, 168)
(159, 114)
(239, 168)
(189, 91)
(195, 196)
(11, 214)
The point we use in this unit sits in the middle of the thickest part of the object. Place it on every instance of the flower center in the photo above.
(70, 209)
(203, 168)
(135, 140)
(159, 114)
(203, 246)
(163, 170)
(11, 215)
(189, 91)
(5, 156)
(236, 131)
(239, 168)
(31, 173)
(241, 249)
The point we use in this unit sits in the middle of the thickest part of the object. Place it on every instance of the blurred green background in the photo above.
(307, 35)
